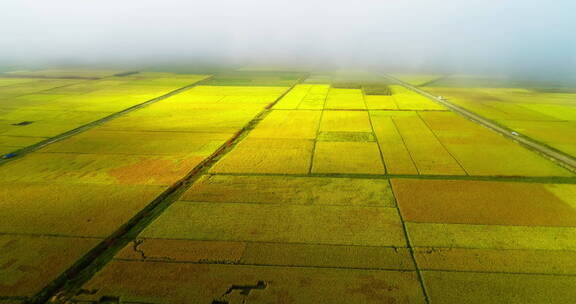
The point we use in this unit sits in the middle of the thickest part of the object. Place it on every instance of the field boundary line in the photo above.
(491, 178)
(410, 246)
(441, 143)
(64, 286)
(34, 147)
(374, 133)
(318, 130)
(564, 160)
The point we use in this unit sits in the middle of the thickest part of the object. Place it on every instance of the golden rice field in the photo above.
(253, 186)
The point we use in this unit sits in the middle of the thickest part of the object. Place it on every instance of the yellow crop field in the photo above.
(291, 190)
(380, 102)
(396, 155)
(262, 185)
(408, 100)
(25, 202)
(428, 153)
(315, 98)
(372, 226)
(499, 156)
(345, 121)
(99, 169)
(267, 156)
(346, 99)
(300, 124)
(558, 134)
(141, 142)
(44, 257)
(293, 99)
(63, 105)
(546, 117)
(491, 236)
(347, 157)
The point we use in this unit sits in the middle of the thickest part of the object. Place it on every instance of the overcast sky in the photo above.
(528, 34)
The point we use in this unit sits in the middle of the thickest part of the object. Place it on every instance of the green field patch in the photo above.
(376, 89)
(19, 141)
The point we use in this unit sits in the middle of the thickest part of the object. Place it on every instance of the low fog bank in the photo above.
(490, 36)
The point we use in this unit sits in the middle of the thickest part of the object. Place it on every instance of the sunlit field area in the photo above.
(545, 113)
(247, 186)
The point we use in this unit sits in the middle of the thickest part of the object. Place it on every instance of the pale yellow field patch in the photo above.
(347, 157)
